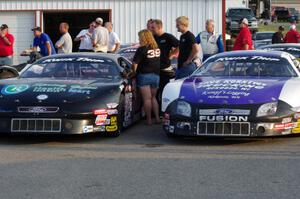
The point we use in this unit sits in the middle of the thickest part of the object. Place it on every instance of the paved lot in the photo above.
(143, 163)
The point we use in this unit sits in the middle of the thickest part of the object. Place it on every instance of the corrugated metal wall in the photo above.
(130, 16)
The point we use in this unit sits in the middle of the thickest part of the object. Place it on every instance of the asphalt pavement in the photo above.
(143, 163)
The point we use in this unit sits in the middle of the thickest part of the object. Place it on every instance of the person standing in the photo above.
(146, 64)
(188, 49)
(150, 25)
(278, 37)
(114, 40)
(169, 48)
(244, 38)
(85, 38)
(210, 41)
(100, 37)
(292, 36)
(43, 41)
(65, 43)
(6, 46)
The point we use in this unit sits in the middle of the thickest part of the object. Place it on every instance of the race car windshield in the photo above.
(247, 66)
(85, 68)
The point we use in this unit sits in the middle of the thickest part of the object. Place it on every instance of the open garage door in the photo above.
(77, 20)
(20, 24)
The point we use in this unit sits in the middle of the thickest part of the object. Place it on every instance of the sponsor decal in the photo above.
(253, 58)
(14, 89)
(81, 89)
(222, 118)
(296, 130)
(61, 88)
(101, 120)
(79, 59)
(99, 129)
(231, 91)
(42, 97)
(171, 129)
(38, 109)
(88, 129)
(224, 112)
(112, 112)
(284, 49)
(49, 88)
(111, 128)
(113, 120)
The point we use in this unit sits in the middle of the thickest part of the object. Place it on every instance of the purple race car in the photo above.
(242, 94)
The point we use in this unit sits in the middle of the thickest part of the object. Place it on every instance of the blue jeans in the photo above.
(185, 71)
(149, 79)
(6, 61)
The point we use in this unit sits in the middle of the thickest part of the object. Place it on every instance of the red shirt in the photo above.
(243, 38)
(5, 49)
(292, 36)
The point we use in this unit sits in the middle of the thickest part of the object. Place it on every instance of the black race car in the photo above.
(293, 49)
(70, 94)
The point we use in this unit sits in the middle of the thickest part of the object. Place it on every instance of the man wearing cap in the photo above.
(244, 38)
(210, 41)
(6, 46)
(100, 37)
(292, 36)
(43, 41)
(278, 36)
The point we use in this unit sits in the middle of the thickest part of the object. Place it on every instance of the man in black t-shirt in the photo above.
(169, 48)
(278, 37)
(188, 49)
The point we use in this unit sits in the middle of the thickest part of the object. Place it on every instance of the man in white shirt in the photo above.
(85, 38)
(100, 37)
(114, 41)
(65, 43)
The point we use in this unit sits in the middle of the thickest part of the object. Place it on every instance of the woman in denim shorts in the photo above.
(146, 64)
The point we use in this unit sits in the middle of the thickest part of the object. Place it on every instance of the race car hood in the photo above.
(55, 92)
(237, 91)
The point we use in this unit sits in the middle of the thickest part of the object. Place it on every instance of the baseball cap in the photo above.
(99, 20)
(244, 21)
(37, 28)
(3, 26)
(293, 27)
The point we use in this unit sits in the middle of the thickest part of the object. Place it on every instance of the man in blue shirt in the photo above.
(43, 41)
(210, 41)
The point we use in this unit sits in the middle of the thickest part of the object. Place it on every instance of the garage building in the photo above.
(128, 16)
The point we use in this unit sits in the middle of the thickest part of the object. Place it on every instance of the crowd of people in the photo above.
(152, 60)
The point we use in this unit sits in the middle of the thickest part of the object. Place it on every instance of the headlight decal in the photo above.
(184, 109)
(267, 109)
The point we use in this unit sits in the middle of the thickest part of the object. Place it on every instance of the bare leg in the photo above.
(155, 106)
(146, 94)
